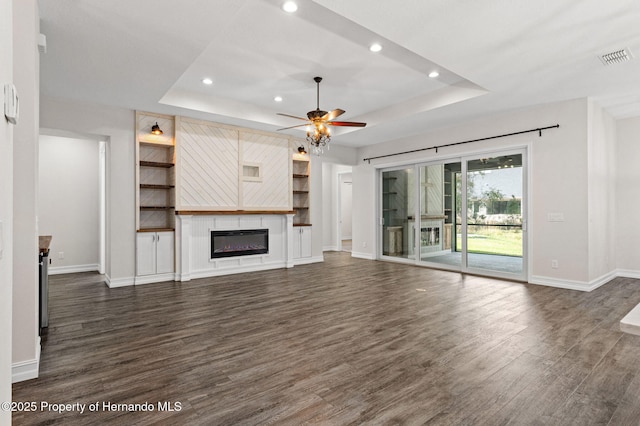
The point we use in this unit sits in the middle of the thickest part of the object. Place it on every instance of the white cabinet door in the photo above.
(164, 252)
(146, 253)
(154, 253)
(301, 242)
(305, 241)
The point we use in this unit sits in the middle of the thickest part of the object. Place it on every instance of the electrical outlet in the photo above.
(60, 255)
(554, 264)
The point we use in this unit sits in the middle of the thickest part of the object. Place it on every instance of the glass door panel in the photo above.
(494, 237)
(439, 195)
(398, 206)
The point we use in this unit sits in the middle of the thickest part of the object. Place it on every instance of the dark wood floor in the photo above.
(348, 341)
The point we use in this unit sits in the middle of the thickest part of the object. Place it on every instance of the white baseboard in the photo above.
(359, 255)
(307, 260)
(598, 282)
(26, 370)
(330, 248)
(572, 284)
(149, 279)
(627, 273)
(183, 277)
(118, 282)
(72, 269)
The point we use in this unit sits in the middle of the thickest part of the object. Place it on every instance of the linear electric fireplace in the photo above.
(239, 243)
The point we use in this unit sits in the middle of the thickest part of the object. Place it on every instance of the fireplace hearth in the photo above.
(244, 242)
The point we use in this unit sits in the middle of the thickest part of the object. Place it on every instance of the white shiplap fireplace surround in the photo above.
(228, 179)
(193, 243)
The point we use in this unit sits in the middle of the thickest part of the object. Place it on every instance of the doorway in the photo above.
(345, 195)
(72, 200)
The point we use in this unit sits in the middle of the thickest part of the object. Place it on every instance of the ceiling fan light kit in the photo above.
(318, 122)
(318, 138)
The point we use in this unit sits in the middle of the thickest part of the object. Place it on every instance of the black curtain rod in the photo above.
(539, 130)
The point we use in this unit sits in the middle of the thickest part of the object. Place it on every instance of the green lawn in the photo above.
(507, 242)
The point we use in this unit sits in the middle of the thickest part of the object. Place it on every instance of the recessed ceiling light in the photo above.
(278, 99)
(434, 74)
(207, 81)
(290, 6)
(375, 47)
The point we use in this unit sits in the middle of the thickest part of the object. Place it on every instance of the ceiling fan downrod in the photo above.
(317, 80)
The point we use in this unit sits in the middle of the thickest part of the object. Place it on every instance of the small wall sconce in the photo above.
(301, 150)
(155, 129)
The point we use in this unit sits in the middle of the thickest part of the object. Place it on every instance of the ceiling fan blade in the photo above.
(293, 127)
(333, 114)
(346, 123)
(292, 116)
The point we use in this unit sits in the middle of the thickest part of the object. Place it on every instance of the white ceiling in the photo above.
(492, 56)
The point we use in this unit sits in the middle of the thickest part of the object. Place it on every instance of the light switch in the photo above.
(11, 108)
(555, 217)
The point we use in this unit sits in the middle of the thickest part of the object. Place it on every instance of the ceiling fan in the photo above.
(317, 121)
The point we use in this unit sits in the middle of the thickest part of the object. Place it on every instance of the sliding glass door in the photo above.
(465, 214)
(494, 237)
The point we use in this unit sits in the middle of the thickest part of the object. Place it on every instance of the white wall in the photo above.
(328, 209)
(627, 233)
(117, 126)
(6, 211)
(68, 202)
(346, 195)
(364, 208)
(26, 342)
(602, 194)
(315, 206)
(559, 183)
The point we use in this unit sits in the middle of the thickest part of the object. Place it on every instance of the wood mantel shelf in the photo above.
(155, 230)
(230, 212)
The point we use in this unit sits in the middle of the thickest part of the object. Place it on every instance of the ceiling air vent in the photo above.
(616, 57)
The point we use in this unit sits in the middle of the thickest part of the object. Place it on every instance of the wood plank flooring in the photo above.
(345, 342)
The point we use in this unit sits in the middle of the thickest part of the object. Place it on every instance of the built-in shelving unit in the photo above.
(155, 173)
(155, 198)
(301, 172)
